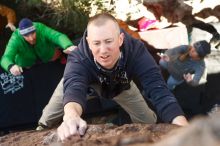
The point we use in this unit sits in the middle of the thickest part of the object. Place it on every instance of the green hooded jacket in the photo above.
(20, 52)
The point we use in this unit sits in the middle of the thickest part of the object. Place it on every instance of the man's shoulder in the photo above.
(79, 56)
(81, 62)
(199, 63)
(39, 24)
(16, 35)
(181, 47)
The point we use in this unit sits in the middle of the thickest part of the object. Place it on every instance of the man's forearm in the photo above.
(73, 109)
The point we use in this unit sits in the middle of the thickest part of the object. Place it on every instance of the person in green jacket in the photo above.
(31, 43)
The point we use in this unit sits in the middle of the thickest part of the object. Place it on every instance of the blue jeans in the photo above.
(171, 81)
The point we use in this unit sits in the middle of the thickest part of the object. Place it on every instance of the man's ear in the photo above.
(87, 39)
(121, 38)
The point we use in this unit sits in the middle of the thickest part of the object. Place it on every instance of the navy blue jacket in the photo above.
(136, 63)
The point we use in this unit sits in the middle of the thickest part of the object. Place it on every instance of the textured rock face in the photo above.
(172, 10)
(105, 135)
(182, 11)
(203, 131)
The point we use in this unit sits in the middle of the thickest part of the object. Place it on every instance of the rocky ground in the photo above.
(105, 135)
(202, 131)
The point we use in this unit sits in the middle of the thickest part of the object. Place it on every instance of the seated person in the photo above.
(185, 63)
(32, 43)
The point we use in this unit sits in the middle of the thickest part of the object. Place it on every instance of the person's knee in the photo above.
(147, 118)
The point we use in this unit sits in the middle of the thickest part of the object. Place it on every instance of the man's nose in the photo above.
(31, 38)
(103, 48)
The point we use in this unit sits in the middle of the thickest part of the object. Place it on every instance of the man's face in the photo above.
(104, 42)
(30, 38)
(193, 53)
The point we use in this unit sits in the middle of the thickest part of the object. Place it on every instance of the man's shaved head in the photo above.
(101, 19)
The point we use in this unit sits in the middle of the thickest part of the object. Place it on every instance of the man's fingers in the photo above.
(66, 51)
(60, 132)
(20, 69)
(82, 127)
(67, 129)
(16, 70)
(63, 132)
(69, 49)
(77, 127)
(66, 132)
(72, 127)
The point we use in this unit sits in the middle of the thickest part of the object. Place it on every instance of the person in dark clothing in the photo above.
(109, 60)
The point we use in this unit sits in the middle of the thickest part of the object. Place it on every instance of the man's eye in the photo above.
(96, 44)
(108, 42)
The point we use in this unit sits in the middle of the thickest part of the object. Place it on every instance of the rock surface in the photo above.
(202, 131)
(105, 135)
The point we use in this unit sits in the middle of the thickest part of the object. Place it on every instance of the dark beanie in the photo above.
(26, 26)
(203, 48)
